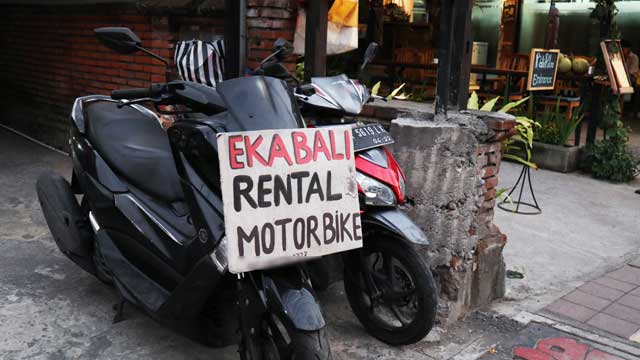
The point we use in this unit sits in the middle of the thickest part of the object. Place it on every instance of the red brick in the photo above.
(624, 313)
(586, 300)
(627, 274)
(613, 325)
(496, 124)
(570, 310)
(491, 182)
(630, 301)
(490, 204)
(615, 284)
(490, 194)
(601, 291)
(488, 171)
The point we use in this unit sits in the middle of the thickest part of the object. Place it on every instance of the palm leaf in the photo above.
(520, 160)
(375, 88)
(395, 91)
(473, 102)
(513, 104)
(488, 106)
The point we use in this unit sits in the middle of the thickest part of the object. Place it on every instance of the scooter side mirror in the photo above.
(306, 90)
(282, 47)
(120, 39)
(369, 54)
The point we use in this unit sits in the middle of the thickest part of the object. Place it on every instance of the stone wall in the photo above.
(452, 173)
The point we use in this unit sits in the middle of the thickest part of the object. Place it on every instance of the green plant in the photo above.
(394, 93)
(300, 70)
(610, 159)
(518, 147)
(555, 128)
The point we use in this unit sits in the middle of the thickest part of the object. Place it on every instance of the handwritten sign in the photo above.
(288, 194)
(543, 66)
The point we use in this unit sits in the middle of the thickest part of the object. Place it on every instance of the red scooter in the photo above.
(388, 284)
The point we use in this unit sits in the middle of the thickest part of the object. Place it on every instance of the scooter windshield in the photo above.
(259, 103)
(342, 93)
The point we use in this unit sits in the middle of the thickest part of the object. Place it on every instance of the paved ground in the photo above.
(587, 228)
(49, 309)
(610, 303)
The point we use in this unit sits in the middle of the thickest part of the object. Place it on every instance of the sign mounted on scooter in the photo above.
(288, 194)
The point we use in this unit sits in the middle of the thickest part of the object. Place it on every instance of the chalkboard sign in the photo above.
(543, 65)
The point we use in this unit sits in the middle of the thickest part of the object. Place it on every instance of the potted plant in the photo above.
(550, 150)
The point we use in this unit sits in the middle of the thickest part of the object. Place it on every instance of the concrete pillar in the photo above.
(452, 173)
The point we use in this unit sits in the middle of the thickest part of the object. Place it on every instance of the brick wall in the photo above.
(49, 56)
(488, 282)
(268, 20)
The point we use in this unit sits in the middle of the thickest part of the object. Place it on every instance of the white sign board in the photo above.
(288, 194)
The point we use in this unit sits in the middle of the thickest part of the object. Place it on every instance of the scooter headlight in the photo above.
(375, 192)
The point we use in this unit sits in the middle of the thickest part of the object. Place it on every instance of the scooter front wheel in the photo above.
(279, 342)
(391, 290)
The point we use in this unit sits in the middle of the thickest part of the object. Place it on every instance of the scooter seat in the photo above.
(136, 147)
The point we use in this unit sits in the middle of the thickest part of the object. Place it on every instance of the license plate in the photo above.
(370, 136)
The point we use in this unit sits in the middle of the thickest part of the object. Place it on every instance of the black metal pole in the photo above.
(461, 55)
(235, 37)
(315, 45)
(444, 55)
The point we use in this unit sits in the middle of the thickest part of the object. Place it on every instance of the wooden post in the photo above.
(315, 46)
(461, 55)
(235, 37)
(444, 55)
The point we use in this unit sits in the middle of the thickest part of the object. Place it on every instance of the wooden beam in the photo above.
(461, 55)
(235, 37)
(445, 37)
(315, 47)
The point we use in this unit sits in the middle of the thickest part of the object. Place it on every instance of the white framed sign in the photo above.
(288, 194)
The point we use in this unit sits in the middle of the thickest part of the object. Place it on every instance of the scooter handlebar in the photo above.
(152, 91)
(136, 93)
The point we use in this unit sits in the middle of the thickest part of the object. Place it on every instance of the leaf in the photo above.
(395, 91)
(530, 137)
(375, 88)
(473, 102)
(488, 106)
(402, 96)
(520, 160)
(513, 104)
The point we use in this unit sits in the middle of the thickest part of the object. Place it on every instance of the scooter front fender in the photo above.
(293, 303)
(395, 222)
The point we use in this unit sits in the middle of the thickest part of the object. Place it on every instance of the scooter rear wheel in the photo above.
(399, 306)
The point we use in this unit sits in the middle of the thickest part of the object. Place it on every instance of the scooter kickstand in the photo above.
(119, 309)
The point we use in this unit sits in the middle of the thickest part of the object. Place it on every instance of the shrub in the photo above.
(610, 159)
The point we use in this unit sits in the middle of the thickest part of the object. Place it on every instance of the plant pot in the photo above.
(556, 157)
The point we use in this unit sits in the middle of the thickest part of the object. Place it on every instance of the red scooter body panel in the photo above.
(390, 175)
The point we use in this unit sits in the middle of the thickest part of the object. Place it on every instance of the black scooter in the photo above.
(150, 220)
